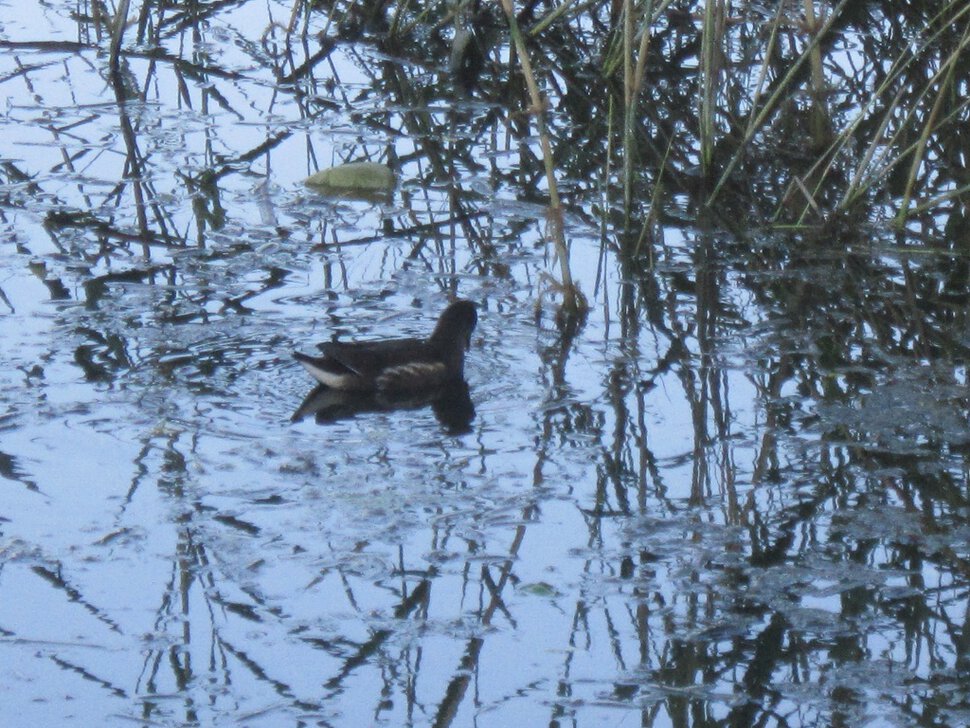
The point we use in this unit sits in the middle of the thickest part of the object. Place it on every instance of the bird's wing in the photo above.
(369, 358)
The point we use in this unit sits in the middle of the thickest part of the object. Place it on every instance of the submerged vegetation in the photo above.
(728, 486)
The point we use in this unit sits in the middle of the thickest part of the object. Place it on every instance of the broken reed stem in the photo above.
(538, 103)
(573, 300)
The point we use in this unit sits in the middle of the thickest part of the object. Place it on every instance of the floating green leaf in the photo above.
(539, 589)
(355, 176)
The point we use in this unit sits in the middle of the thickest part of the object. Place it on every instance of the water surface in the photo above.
(736, 495)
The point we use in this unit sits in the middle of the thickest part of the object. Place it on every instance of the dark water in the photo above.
(737, 495)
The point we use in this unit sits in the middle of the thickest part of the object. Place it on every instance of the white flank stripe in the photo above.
(415, 374)
(337, 381)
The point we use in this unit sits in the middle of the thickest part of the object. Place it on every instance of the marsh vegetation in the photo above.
(713, 464)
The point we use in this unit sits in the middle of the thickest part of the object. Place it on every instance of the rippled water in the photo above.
(733, 497)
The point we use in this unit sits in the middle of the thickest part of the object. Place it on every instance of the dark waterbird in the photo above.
(398, 366)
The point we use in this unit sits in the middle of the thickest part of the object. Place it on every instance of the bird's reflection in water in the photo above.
(452, 405)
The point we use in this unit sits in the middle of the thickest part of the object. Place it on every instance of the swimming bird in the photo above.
(398, 365)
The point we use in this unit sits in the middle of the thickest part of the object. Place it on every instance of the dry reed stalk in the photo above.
(574, 303)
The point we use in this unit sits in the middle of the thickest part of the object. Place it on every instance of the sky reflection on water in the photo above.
(732, 497)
